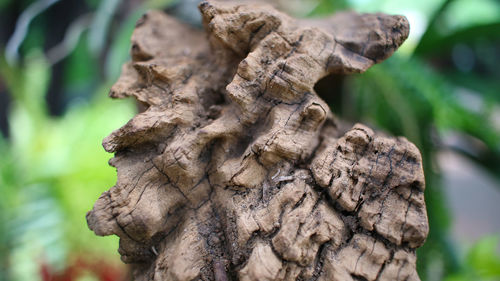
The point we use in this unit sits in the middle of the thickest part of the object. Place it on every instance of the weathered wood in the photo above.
(237, 170)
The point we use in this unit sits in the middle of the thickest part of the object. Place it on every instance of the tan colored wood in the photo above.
(237, 170)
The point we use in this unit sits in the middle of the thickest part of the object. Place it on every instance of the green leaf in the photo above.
(484, 259)
(442, 44)
(328, 7)
(119, 50)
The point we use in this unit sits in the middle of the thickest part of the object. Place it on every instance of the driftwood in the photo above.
(237, 170)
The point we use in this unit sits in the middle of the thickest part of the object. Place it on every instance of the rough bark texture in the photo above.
(237, 170)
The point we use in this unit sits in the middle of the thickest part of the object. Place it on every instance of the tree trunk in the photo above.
(237, 170)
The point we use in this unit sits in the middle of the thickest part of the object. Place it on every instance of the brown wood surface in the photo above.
(237, 170)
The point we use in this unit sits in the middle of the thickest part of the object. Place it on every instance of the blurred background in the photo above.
(58, 59)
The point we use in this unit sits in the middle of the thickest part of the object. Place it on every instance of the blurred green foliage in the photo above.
(481, 262)
(52, 167)
(52, 171)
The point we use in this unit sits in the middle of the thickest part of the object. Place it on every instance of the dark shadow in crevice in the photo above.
(329, 89)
